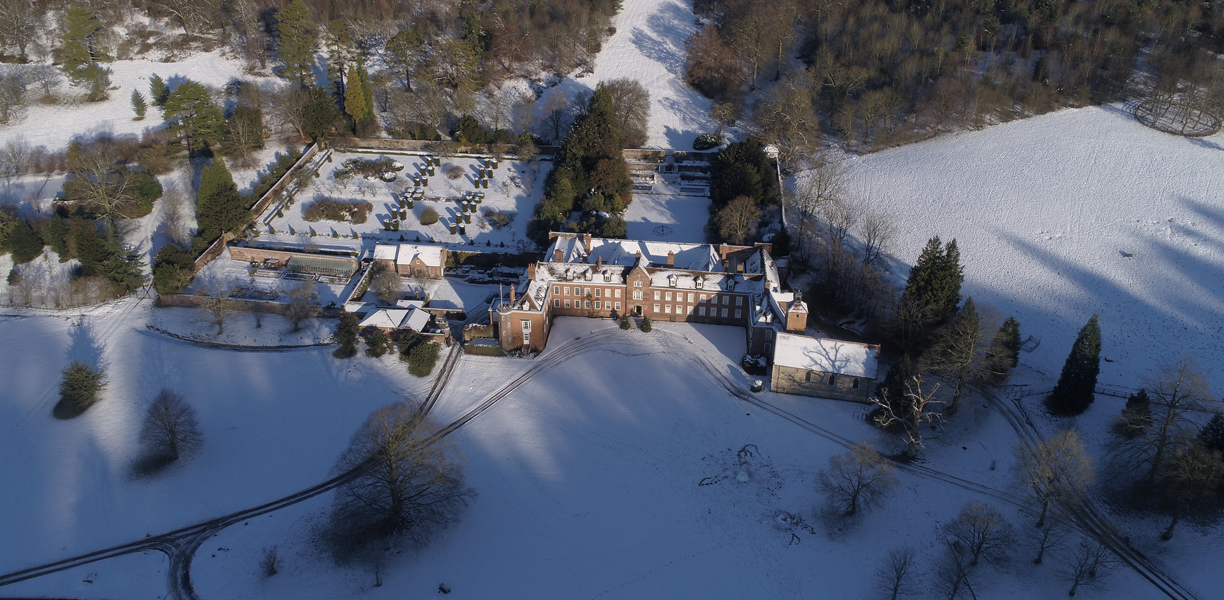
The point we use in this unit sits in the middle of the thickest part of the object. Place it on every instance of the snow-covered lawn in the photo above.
(668, 218)
(1067, 214)
(514, 190)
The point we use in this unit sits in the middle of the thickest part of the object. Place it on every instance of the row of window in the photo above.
(558, 303)
(564, 290)
(810, 375)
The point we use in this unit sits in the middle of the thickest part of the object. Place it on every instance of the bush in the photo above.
(452, 171)
(422, 358)
(331, 209)
(624, 322)
(645, 326)
(707, 141)
(24, 242)
(173, 269)
(366, 167)
(78, 390)
(376, 343)
(497, 218)
(469, 130)
(429, 216)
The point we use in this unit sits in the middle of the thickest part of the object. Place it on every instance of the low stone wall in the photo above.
(475, 331)
(257, 254)
(243, 304)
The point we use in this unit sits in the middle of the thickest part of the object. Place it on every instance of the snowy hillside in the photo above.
(1067, 214)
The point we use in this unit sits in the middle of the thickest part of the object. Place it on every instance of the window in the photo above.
(679, 309)
(588, 304)
(739, 300)
(724, 313)
(768, 347)
(769, 334)
(854, 384)
(556, 303)
(832, 379)
(726, 300)
(667, 308)
(637, 284)
(597, 307)
(656, 308)
(807, 377)
(566, 288)
(617, 307)
(656, 295)
(577, 291)
(737, 313)
(667, 296)
(701, 311)
(617, 290)
(691, 309)
(567, 304)
(705, 297)
(556, 289)
(598, 292)
(690, 296)
(637, 294)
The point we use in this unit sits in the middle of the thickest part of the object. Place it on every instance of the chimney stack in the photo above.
(671, 258)
(531, 271)
(558, 255)
(513, 290)
(586, 241)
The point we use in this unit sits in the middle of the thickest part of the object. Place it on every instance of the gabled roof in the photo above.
(416, 321)
(385, 252)
(431, 256)
(385, 318)
(827, 356)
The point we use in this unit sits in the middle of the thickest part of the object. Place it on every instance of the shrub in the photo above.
(78, 390)
(452, 171)
(422, 358)
(331, 209)
(429, 216)
(707, 141)
(376, 343)
(645, 326)
(173, 268)
(497, 218)
(624, 322)
(366, 167)
(24, 242)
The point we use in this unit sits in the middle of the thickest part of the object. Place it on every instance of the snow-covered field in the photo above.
(649, 46)
(1067, 214)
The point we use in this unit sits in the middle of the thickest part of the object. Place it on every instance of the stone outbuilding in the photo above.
(825, 368)
(421, 261)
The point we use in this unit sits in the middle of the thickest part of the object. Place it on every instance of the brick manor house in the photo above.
(699, 283)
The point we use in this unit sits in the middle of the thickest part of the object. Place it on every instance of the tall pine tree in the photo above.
(354, 97)
(78, 48)
(931, 294)
(191, 115)
(296, 42)
(220, 208)
(1003, 354)
(1077, 383)
(341, 54)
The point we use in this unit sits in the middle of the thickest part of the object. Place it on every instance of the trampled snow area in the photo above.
(1067, 214)
(649, 46)
(55, 125)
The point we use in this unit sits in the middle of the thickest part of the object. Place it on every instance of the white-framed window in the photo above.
(656, 308)
(587, 304)
(701, 311)
(556, 303)
(705, 297)
(598, 292)
(724, 313)
(597, 307)
(617, 306)
(667, 308)
(739, 300)
(525, 325)
(691, 309)
(657, 295)
(690, 298)
(637, 284)
(617, 292)
(679, 309)
(637, 294)
(737, 313)
(567, 304)
(556, 289)
(667, 296)
(726, 300)
(578, 291)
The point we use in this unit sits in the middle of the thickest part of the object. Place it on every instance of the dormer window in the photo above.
(700, 283)
(671, 280)
(607, 276)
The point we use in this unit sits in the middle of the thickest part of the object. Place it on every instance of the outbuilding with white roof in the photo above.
(825, 368)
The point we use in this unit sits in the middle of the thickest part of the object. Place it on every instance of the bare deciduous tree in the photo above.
(170, 430)
(959, 350)
(1047, 536)
(1176, 393)
(818, 186)
(898, 576)
(302, 298)
(911, 411)
(952, 576)
(215, 296)
(557, 111)
(980, 531)
(1055, 470)
(737, 219)
(858, 477)
(408, 481)
(631, 107)
(1190, 484)
(1086, 563)
(386, 284)
(270, 563)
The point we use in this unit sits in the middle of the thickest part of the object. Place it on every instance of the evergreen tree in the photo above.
(1003, 354)
(367, 91)
(931, 294)
(1136, 415)
(24, 242)
(320, 114)
(354, 97)
(1077, 383)
(139, 106)
(220, 209)
(296, 42)
(346, 335)
(341, 54)
(158, 90)
(56, 235)
(78, 49)
(1211, 436)
(402, 53)
(191, 115)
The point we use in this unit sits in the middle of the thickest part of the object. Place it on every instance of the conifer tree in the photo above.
(78, 48)
(191, 115)
(296, 42)
(892, 390)
(354, 97)
(139, 105)
(367, 91)
(346, 335)
(158, 90)
(1003, 354)
(402, 53)
(931, 294)
(1211, 436)
(220, 208)
(341, 53)
(1077, 383)
(24, 242)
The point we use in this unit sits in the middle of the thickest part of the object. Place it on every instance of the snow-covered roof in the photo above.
(385, 318)
(690, 257)
(385, 251)
(430, 255)
(827, 356)
(416, 321)
(406, 303)
(357, 306)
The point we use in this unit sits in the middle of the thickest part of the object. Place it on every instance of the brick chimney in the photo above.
(586, 241)
(671, 258)
(513, 293)
(599, 264)
(531, 271)
(558, 255)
